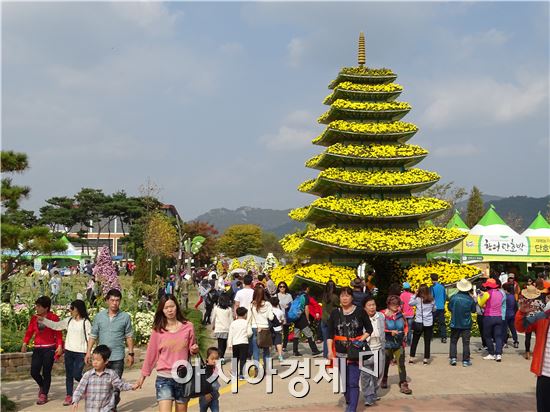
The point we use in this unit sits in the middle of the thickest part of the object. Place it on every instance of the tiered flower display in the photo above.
(449, 273)
(366, 181)
(317, 273)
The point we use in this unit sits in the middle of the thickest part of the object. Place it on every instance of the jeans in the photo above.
(410, 332)
(428, 332)
(169, 390)
(324, 330)
(42, 359)
(480, 325)
(256, 349)
(508, 324)
(214, 404)
(399, 355)
(543, 393)
(352, 386)
(492, 329)
(439, 317)
(455, 335)
(74, 364)
(371, 383)
(240, 352)
(118, 367)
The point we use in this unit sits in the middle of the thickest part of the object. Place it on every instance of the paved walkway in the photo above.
(486, 386)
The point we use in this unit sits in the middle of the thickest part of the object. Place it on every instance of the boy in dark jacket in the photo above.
(461, 306)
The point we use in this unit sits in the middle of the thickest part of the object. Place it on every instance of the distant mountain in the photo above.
(523, 208)
(270, 220)
(277, 221)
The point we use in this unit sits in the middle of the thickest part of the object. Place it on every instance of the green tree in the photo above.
(21, 232)
(449, 192)
(239, 240)
(475, 209)
(270, 244)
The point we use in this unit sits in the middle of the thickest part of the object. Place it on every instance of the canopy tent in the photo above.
(70, 253)
(258, 259)
(491, 224)
(492, 240)
(538, 228)
(454, 254)
(456, 222)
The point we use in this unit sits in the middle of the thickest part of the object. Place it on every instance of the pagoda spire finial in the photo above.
(361, 56)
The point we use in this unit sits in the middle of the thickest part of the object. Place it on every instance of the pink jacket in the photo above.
(407, 309)
(166, 348)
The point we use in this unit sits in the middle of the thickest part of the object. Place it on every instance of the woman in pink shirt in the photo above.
(407, 309)
(172, 340)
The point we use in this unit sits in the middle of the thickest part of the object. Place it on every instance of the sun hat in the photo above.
(464, 285)
(406, 285)
(530, 292)
(491, 283)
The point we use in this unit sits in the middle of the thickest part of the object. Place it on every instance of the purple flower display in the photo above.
(105, 272)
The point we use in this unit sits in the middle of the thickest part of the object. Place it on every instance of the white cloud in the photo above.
(484, 100)
(295, 132)
(296, 49)
(458, 150)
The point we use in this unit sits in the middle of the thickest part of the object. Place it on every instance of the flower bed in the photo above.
(374, 239)
(377, 178)
(449, 273)
(318, 273)
(372, 151)
(360, 206)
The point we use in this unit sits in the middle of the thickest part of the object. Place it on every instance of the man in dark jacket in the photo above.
(461, 306)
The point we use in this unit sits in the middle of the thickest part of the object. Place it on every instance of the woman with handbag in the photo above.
(172, 340)
(261, 312)
(78, 328)
(348, 328)
(423, 322)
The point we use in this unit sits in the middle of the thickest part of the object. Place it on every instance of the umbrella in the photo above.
(238, 270)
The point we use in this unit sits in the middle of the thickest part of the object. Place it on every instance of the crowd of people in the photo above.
(253, 318)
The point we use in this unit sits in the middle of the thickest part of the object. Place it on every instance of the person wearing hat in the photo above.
(493, 301)
(539, 323)
(461, 306)
(534, 297)
(408, 310)
(359, 295)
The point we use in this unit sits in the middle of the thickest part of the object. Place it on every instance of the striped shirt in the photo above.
(98, 390)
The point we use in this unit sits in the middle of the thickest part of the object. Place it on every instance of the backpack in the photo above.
(296, 308)
(211, 297)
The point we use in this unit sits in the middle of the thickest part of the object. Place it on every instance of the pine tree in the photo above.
(475, 209)
(105, 272)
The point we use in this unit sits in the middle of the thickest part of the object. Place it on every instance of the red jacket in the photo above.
(44, 337)
(315, 309)
(540, 328)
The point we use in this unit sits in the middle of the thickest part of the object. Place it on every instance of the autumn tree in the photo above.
(161, 239)
(475, 209)
(270, 244)
(239, 240)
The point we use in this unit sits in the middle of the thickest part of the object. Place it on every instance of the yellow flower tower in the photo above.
(366, 209)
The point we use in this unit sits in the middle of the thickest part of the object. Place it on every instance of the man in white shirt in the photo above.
(243, 297)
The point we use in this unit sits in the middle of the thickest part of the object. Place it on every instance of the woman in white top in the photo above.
(423, 322)
(285, 299)
(261, 312)
(371, 383)
(222, 316)
(78, 327)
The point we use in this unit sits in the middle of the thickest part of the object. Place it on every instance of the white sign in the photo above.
(504, 245)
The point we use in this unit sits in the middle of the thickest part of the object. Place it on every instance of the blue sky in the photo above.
(217, 102)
